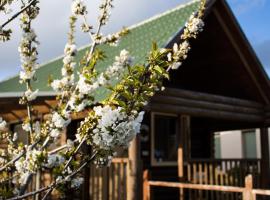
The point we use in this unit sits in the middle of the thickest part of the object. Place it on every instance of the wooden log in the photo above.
(199, 112)
(206, 104)
(134, 173)
(210, 97)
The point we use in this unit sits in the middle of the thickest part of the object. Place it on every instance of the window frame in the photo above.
(154, 162)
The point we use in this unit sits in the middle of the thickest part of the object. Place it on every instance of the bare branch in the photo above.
(18, 13)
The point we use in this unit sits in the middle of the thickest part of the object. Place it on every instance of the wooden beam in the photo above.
(200, 112)
(210, 98)
(265, 167)
(206, 104)
(134, 171)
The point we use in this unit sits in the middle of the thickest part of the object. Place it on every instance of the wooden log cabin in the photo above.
(221, 86)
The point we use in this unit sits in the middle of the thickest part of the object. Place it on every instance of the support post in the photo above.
(146, 186)
(134, 171)
(185, 138)
(248, 194)
(183, 149)
(86, 174)
(265, 168)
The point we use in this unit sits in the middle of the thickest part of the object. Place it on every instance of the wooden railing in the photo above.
(109, 183)
(248, 193)
(223, 171)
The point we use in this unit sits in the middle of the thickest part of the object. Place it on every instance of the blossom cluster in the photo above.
(59, 122)
(67, 80)
(29, 164)
(111, 39)
(193, 26)
(54, 160)
(105, 11)
(78, 7)
(179, 52)
(86, 86)
(115, 128)
(3, 124)
(28, 52)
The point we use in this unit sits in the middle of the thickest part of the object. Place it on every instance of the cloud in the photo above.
(52, 27)
(244, 6)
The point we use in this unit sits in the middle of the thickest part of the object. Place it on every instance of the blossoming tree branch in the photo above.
(110, 124)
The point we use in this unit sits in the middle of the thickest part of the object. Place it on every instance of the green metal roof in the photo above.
(161, 29)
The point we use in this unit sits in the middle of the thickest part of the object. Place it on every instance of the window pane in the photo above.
(217, 146)
(249, 144)
(165, 148)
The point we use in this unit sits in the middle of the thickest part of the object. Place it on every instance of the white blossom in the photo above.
(70, 49)
(56, 85)
(15, 137)
(78, 7)
(176, 65)
(114, 127)
(55, 133)
(26, 75)
(59, 121)
(3, 124)
(76, 182)
(31, 95)
(54, 160)
(194, 24)
(26, 126)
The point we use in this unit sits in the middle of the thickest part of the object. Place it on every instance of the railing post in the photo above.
(146, 186)
(248, 194)
(180, 171)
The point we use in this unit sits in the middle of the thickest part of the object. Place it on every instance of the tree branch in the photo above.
(67, 164)
(18, 13)
(55, 184)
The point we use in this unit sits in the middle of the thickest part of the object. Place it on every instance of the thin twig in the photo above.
(61, 148)
(18, 157)
(67, 164)
(55, 184)
(18, 13)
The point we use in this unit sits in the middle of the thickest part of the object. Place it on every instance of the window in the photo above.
(249, 144)
(164, 139)
(217, 145)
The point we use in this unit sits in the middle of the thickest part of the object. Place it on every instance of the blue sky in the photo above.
(253, 16)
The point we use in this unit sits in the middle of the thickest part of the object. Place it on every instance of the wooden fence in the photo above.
(223, 171)
(109, 183)
(248, 193)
